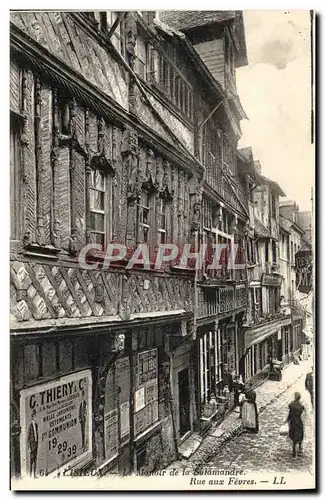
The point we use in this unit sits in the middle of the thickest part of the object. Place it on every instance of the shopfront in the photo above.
(218, 354)
(51, 400)
(261, 342)
(97, 402)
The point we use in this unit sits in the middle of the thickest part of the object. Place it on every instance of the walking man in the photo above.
(309, 385)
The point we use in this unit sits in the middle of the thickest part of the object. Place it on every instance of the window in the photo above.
(162, 226)
(148, 15)
(98, 221)
(63, 113)
(266, 252)
(15, 178)
(292, 254)
(164, 74)
(141, 56)
(274, 259)
(213, 350)
(144, 212)
(106, 20)
(250, 250)
(152, 64)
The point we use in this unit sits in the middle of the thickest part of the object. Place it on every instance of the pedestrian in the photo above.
(309, 384)
(239, 388)
(249, 411)
(227, 379)
(296, 426)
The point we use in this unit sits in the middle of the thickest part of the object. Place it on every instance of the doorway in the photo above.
(184, 402)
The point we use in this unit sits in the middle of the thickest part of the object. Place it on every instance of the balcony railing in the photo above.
(215, 276)
(231, 192)
(223, 300)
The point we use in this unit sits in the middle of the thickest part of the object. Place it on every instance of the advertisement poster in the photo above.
(146, 396)
(111, 434)
(56, 424)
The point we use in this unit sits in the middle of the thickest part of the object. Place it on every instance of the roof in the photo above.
(247, 158)
(287, 203)
(284, 224)
(274, 186)
(260, 230)
(201, 68)
(246, 153)
(186, 20)
(291, 224)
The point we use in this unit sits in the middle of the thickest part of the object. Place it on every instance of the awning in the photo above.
(258, 333)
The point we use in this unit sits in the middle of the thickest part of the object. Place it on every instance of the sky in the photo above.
(275, 92)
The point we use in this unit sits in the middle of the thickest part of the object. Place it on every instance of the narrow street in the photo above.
(268, 451)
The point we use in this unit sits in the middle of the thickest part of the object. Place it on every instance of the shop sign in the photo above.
(147, 366)
(56, 424)
(271, 280)
(304, 271)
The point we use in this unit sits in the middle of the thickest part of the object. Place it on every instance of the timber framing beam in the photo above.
(26, 50)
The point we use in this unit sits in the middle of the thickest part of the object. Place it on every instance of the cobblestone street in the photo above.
(268, 451)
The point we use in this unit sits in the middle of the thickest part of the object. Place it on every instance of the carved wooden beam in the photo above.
(87, 179)
(72, 167)
(40, 235)
(24, 144)
(56, 241)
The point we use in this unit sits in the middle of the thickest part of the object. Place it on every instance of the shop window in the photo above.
(98, 206)
(66, 354)
(213, 355)
(144, 216)
(49, 359)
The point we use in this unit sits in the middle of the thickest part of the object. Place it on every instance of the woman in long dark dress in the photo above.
(249, 411)
(296, 426)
